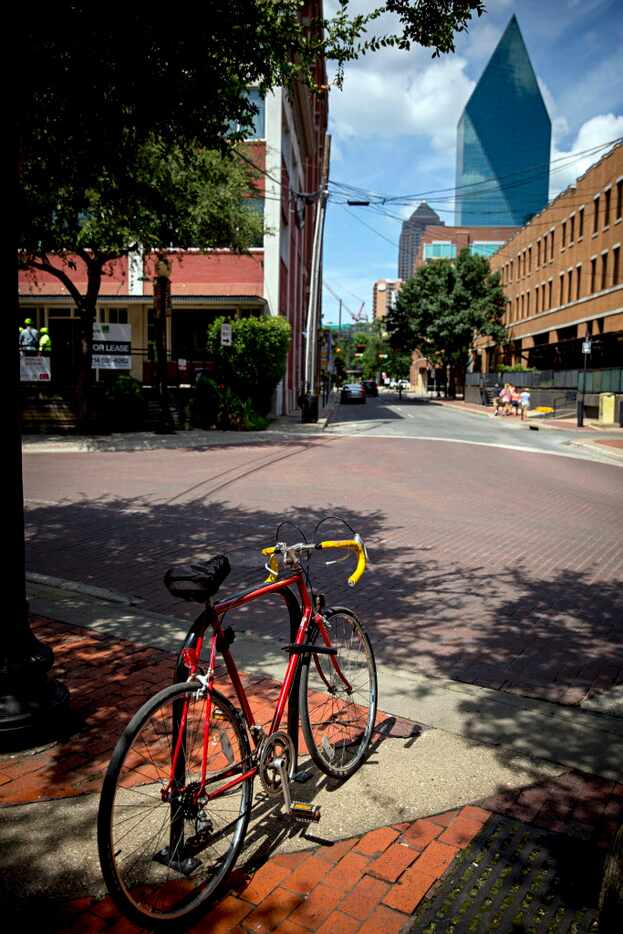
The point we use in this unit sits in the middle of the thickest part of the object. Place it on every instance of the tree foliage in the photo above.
(256, 361)
(444, 307)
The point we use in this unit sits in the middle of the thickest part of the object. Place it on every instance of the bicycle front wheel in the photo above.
(165, 846)
(338, 695)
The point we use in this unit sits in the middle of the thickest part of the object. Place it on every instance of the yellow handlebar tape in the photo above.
(356, 545)
(273, 564)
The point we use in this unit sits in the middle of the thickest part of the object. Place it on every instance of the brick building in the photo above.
(384, 293)
(290, 136)
(440, 242)
(562, 277)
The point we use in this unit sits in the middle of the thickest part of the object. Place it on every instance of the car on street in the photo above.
(353, 392)
(370, 387)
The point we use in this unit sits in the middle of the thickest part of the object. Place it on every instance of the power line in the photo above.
(561, 163)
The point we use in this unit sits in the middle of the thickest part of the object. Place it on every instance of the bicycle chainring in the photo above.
(274, 747)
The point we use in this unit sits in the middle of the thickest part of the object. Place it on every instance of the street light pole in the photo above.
(309, 401)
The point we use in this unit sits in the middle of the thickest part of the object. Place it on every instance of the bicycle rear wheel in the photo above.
(338, 696)
(163, 851)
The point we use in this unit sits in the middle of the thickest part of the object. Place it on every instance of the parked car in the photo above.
(353, 392)
(370, 387)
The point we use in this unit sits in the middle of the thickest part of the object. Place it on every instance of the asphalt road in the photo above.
(390, 417)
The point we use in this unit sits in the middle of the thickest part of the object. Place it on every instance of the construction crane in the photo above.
(360, 315)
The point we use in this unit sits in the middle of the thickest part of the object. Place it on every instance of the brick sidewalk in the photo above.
(367, 883)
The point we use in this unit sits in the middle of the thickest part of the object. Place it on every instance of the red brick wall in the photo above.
(114, 282)
(217, 273)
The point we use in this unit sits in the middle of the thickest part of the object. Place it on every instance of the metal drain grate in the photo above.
(515, 879)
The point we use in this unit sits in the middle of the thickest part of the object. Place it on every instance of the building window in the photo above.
(511, 268)
(596, 215)
(543, 297)
(538, 253)
(572, 228)
(562, 289)
(580, 223)
(607, 198)
(578, 282)
(570, 285)
(550, 293)
(527, 304)
(485, 247)
(551, 245)
(604, 271)
(441, 249)
(593, 275)
(536, 301)
(619, 204)
(616, 270)
(529, 260)
(564, 235)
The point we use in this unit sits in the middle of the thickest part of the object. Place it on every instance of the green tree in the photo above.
(169, 195)
(256, 361)
(443, 308)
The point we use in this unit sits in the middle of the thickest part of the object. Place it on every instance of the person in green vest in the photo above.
(45, 344)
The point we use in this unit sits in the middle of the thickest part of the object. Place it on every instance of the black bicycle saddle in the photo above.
(197, 582)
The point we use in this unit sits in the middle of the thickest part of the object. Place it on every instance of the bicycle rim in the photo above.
(162, 859)
(338, 702)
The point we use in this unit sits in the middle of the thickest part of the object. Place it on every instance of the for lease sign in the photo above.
(112, 347)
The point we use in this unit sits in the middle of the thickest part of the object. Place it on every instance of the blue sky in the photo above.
(393, 125)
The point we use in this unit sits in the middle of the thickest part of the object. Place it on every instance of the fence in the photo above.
(610, 380)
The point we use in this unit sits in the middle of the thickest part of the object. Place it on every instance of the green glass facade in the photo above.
(503, 142)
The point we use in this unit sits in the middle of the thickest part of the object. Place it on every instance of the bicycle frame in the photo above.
(188, 666)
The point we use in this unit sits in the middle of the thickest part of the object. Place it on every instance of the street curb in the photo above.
(112, 596)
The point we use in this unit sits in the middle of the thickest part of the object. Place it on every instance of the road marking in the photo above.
(595, 458)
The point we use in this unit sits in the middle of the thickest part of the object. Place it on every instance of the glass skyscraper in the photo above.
(503, 144)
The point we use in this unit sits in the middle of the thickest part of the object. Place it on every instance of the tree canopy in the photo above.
(444, 307)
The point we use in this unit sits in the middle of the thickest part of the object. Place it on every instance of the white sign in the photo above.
(34, 369)
(586, 347)
(112, 347)
(226, 335)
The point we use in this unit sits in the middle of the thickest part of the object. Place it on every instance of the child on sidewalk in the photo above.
(524, 401)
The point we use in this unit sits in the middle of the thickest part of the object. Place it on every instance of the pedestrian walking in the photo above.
(45, 344)
(483, 390)
(29, 338)
(524, 400)
(515, 401)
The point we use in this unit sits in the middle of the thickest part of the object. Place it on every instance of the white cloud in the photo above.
(594, 132)
(403, 100)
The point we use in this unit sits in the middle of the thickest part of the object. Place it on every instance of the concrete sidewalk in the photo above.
(387, 838)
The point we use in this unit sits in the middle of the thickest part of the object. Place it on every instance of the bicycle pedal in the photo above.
(301, 810)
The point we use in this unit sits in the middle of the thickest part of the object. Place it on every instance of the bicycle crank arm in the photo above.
(299, 810)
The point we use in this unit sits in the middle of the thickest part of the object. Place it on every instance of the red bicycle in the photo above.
(176, 798)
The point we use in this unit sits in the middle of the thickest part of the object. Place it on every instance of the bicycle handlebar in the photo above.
(292, 553)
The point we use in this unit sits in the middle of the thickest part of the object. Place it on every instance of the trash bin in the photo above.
(607, 402)
(309, 408)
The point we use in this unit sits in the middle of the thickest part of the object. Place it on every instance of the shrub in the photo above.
(252, 367)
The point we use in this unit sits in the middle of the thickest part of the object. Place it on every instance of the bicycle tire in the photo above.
(337, 722)
(137, 831)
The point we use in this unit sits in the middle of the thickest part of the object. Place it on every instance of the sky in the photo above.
(393, 125)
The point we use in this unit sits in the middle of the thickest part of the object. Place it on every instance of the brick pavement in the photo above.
(493, 567)
(368, 883)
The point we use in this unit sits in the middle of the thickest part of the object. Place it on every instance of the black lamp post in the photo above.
(162, 304)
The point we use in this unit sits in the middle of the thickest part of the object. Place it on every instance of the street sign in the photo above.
(226, 335)
(586, 347)
(33, 369)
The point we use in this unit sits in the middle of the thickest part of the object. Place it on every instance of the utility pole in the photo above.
(162, 302)
(310, 398)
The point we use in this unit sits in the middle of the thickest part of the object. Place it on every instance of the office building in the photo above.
(563, 279)
(410, 238)
(503, 141)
